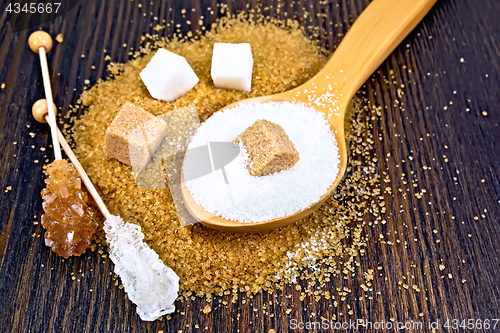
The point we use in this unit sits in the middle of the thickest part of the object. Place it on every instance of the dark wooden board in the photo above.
(459, 144)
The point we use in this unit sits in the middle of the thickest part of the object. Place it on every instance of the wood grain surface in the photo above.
(443, 124)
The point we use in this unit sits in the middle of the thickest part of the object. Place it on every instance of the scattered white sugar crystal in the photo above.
(255, 199)
(168, 76)
(232, 66)
(151, 285)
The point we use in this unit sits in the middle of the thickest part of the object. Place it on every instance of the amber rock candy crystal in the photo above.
(68, 219)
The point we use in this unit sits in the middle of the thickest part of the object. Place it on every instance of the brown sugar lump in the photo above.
(269, 148)
(134, 135)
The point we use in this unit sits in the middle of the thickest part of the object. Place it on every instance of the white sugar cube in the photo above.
(168, 76)
(232, 66)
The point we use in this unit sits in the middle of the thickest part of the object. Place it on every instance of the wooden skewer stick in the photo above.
(40, 42)
(85, 178)
(41, 114)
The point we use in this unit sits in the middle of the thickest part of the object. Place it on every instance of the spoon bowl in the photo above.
(374, 35)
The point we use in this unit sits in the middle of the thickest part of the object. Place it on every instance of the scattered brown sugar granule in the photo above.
(207, 309)
(269, 148)
(134, 135)
(212, 262)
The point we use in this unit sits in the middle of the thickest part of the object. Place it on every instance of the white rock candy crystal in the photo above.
(151, 285)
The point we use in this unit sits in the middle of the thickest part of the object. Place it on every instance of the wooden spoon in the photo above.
(374, 35)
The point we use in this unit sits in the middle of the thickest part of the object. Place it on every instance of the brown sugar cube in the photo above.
(134, 135)
(269, 149)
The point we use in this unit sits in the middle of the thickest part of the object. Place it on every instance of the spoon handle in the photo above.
(374, 35)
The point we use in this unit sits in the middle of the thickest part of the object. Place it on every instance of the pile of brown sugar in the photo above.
(315, 249)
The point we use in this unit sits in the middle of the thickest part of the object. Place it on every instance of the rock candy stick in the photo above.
(68, 219)
(148, 282)
(40, 42)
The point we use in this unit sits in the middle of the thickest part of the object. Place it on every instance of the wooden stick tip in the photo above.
(40, 39)
(40, 110)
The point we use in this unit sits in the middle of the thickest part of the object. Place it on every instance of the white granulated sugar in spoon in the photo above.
(246, 198)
